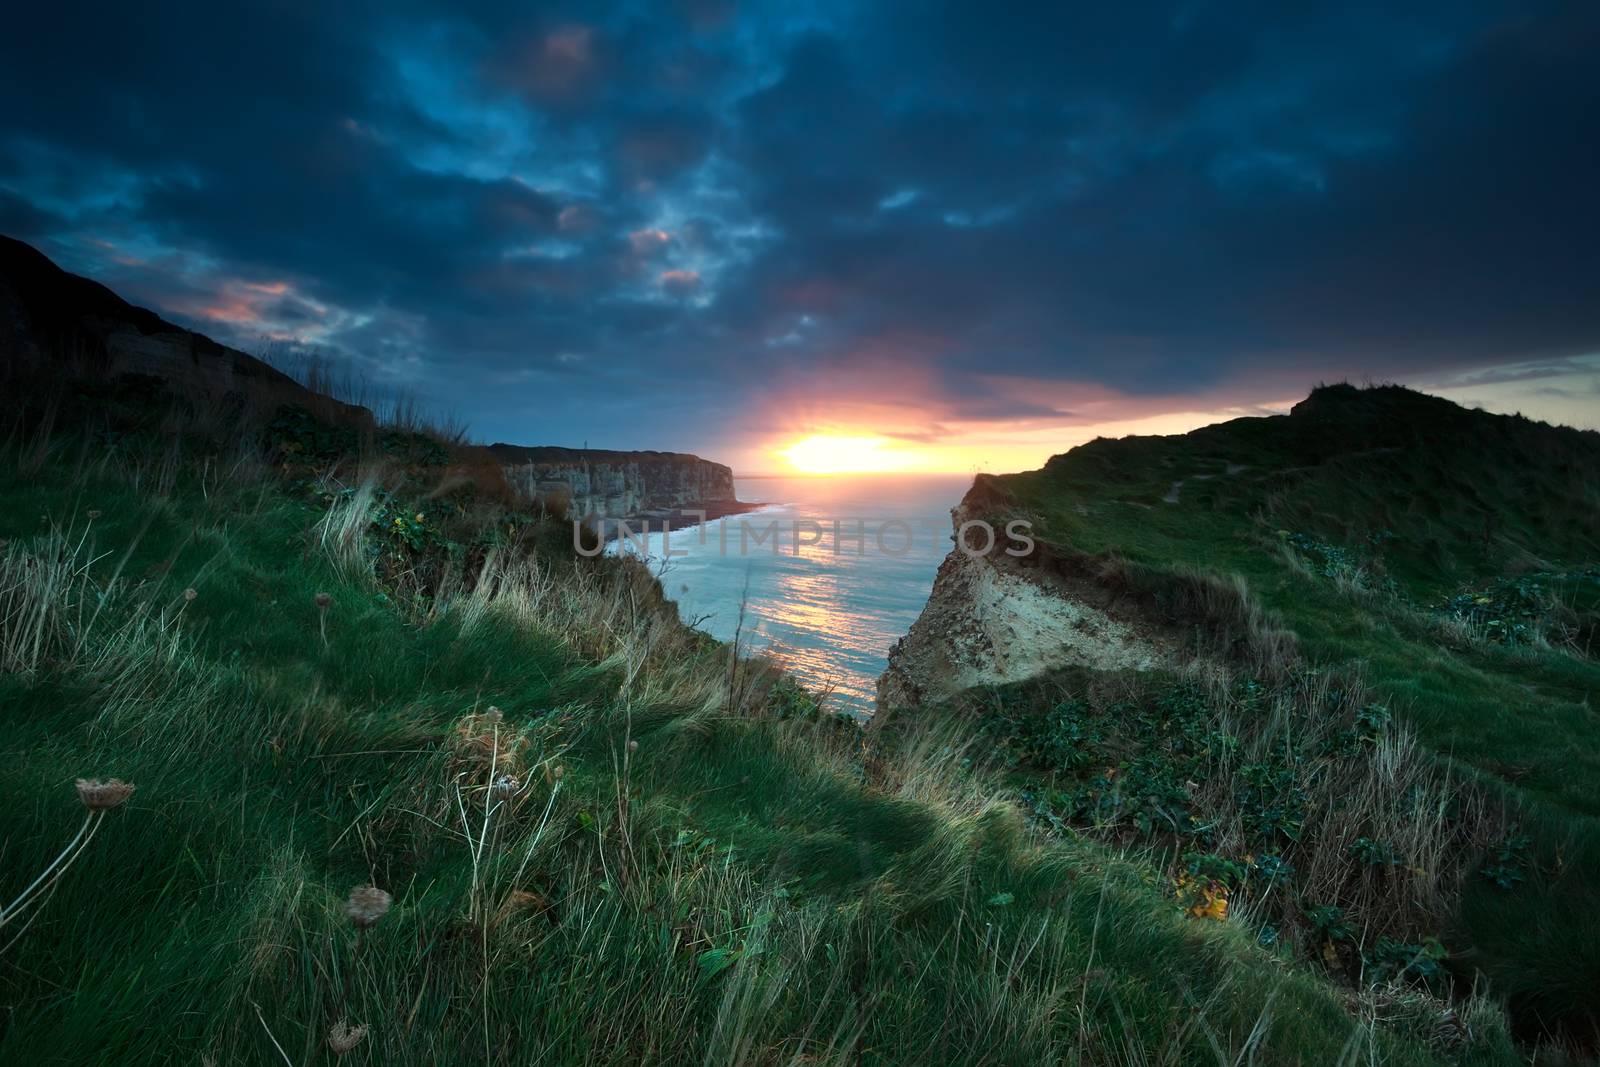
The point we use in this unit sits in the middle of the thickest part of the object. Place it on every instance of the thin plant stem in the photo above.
(537, 833)
(91, 823)
(268, 1029)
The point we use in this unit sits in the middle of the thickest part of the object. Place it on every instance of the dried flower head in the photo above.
(103, 796)
(342, 1037)
(633, 746)
(483, 738)
(506, 786)
(93, 513)
(189, 594)
(366, 905)
(324, 601)
(558, 772)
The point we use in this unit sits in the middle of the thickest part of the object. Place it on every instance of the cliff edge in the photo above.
(604, 484)
(993, 617)
(50, 316)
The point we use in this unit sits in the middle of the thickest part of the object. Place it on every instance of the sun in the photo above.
(824, 453)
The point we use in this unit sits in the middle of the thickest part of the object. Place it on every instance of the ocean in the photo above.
(830, 572)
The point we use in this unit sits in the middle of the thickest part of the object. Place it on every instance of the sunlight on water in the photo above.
(830, 600)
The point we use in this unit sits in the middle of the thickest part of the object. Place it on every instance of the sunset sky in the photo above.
(906, 235)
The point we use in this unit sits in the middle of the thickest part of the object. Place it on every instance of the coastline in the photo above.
(675, 518)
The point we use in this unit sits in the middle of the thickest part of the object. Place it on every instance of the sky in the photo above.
(926, 235)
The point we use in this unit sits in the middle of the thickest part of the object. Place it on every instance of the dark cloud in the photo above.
(899, 209)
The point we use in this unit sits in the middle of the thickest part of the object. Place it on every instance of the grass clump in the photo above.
(1298, 808)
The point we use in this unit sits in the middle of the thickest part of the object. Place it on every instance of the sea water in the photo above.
(827, 575)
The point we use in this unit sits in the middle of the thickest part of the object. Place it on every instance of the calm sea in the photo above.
(830, 599)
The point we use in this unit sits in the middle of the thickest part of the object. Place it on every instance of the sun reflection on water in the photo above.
(829, 607)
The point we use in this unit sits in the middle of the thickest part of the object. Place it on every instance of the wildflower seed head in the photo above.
(324, 601)
(189, 594)
(103, 796)
(342, 1037)
(366, 905)
(483, 738)
(633, 746)
(93, 513)
(506, 786)
(559, 771)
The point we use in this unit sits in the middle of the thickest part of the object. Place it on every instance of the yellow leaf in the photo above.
(1213, 903)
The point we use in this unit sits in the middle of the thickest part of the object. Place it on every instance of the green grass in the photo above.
(745, 885)
(1353, 522)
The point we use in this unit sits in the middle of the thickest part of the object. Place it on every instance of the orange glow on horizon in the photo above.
(824, 453)
(964, 448)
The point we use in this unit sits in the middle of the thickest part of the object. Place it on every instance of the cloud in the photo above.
(680, 283)
(897, 213)
(649, 240)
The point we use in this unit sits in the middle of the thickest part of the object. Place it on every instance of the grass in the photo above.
(1360, 525)
(605, 842)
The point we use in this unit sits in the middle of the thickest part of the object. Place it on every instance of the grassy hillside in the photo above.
(330, 662)
(1379, 571)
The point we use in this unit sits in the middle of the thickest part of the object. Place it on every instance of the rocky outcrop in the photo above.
(620, 485)
(994, 618)
(49, 317)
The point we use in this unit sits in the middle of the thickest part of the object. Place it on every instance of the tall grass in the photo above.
(339, 386)
(604, 846)
(1362, 820)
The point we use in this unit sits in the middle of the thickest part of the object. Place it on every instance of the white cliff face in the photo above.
(992, 619)
(618, 485)
(989, 623)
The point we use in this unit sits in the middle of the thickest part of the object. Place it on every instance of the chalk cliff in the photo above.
(994, 617)
(620, 485)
